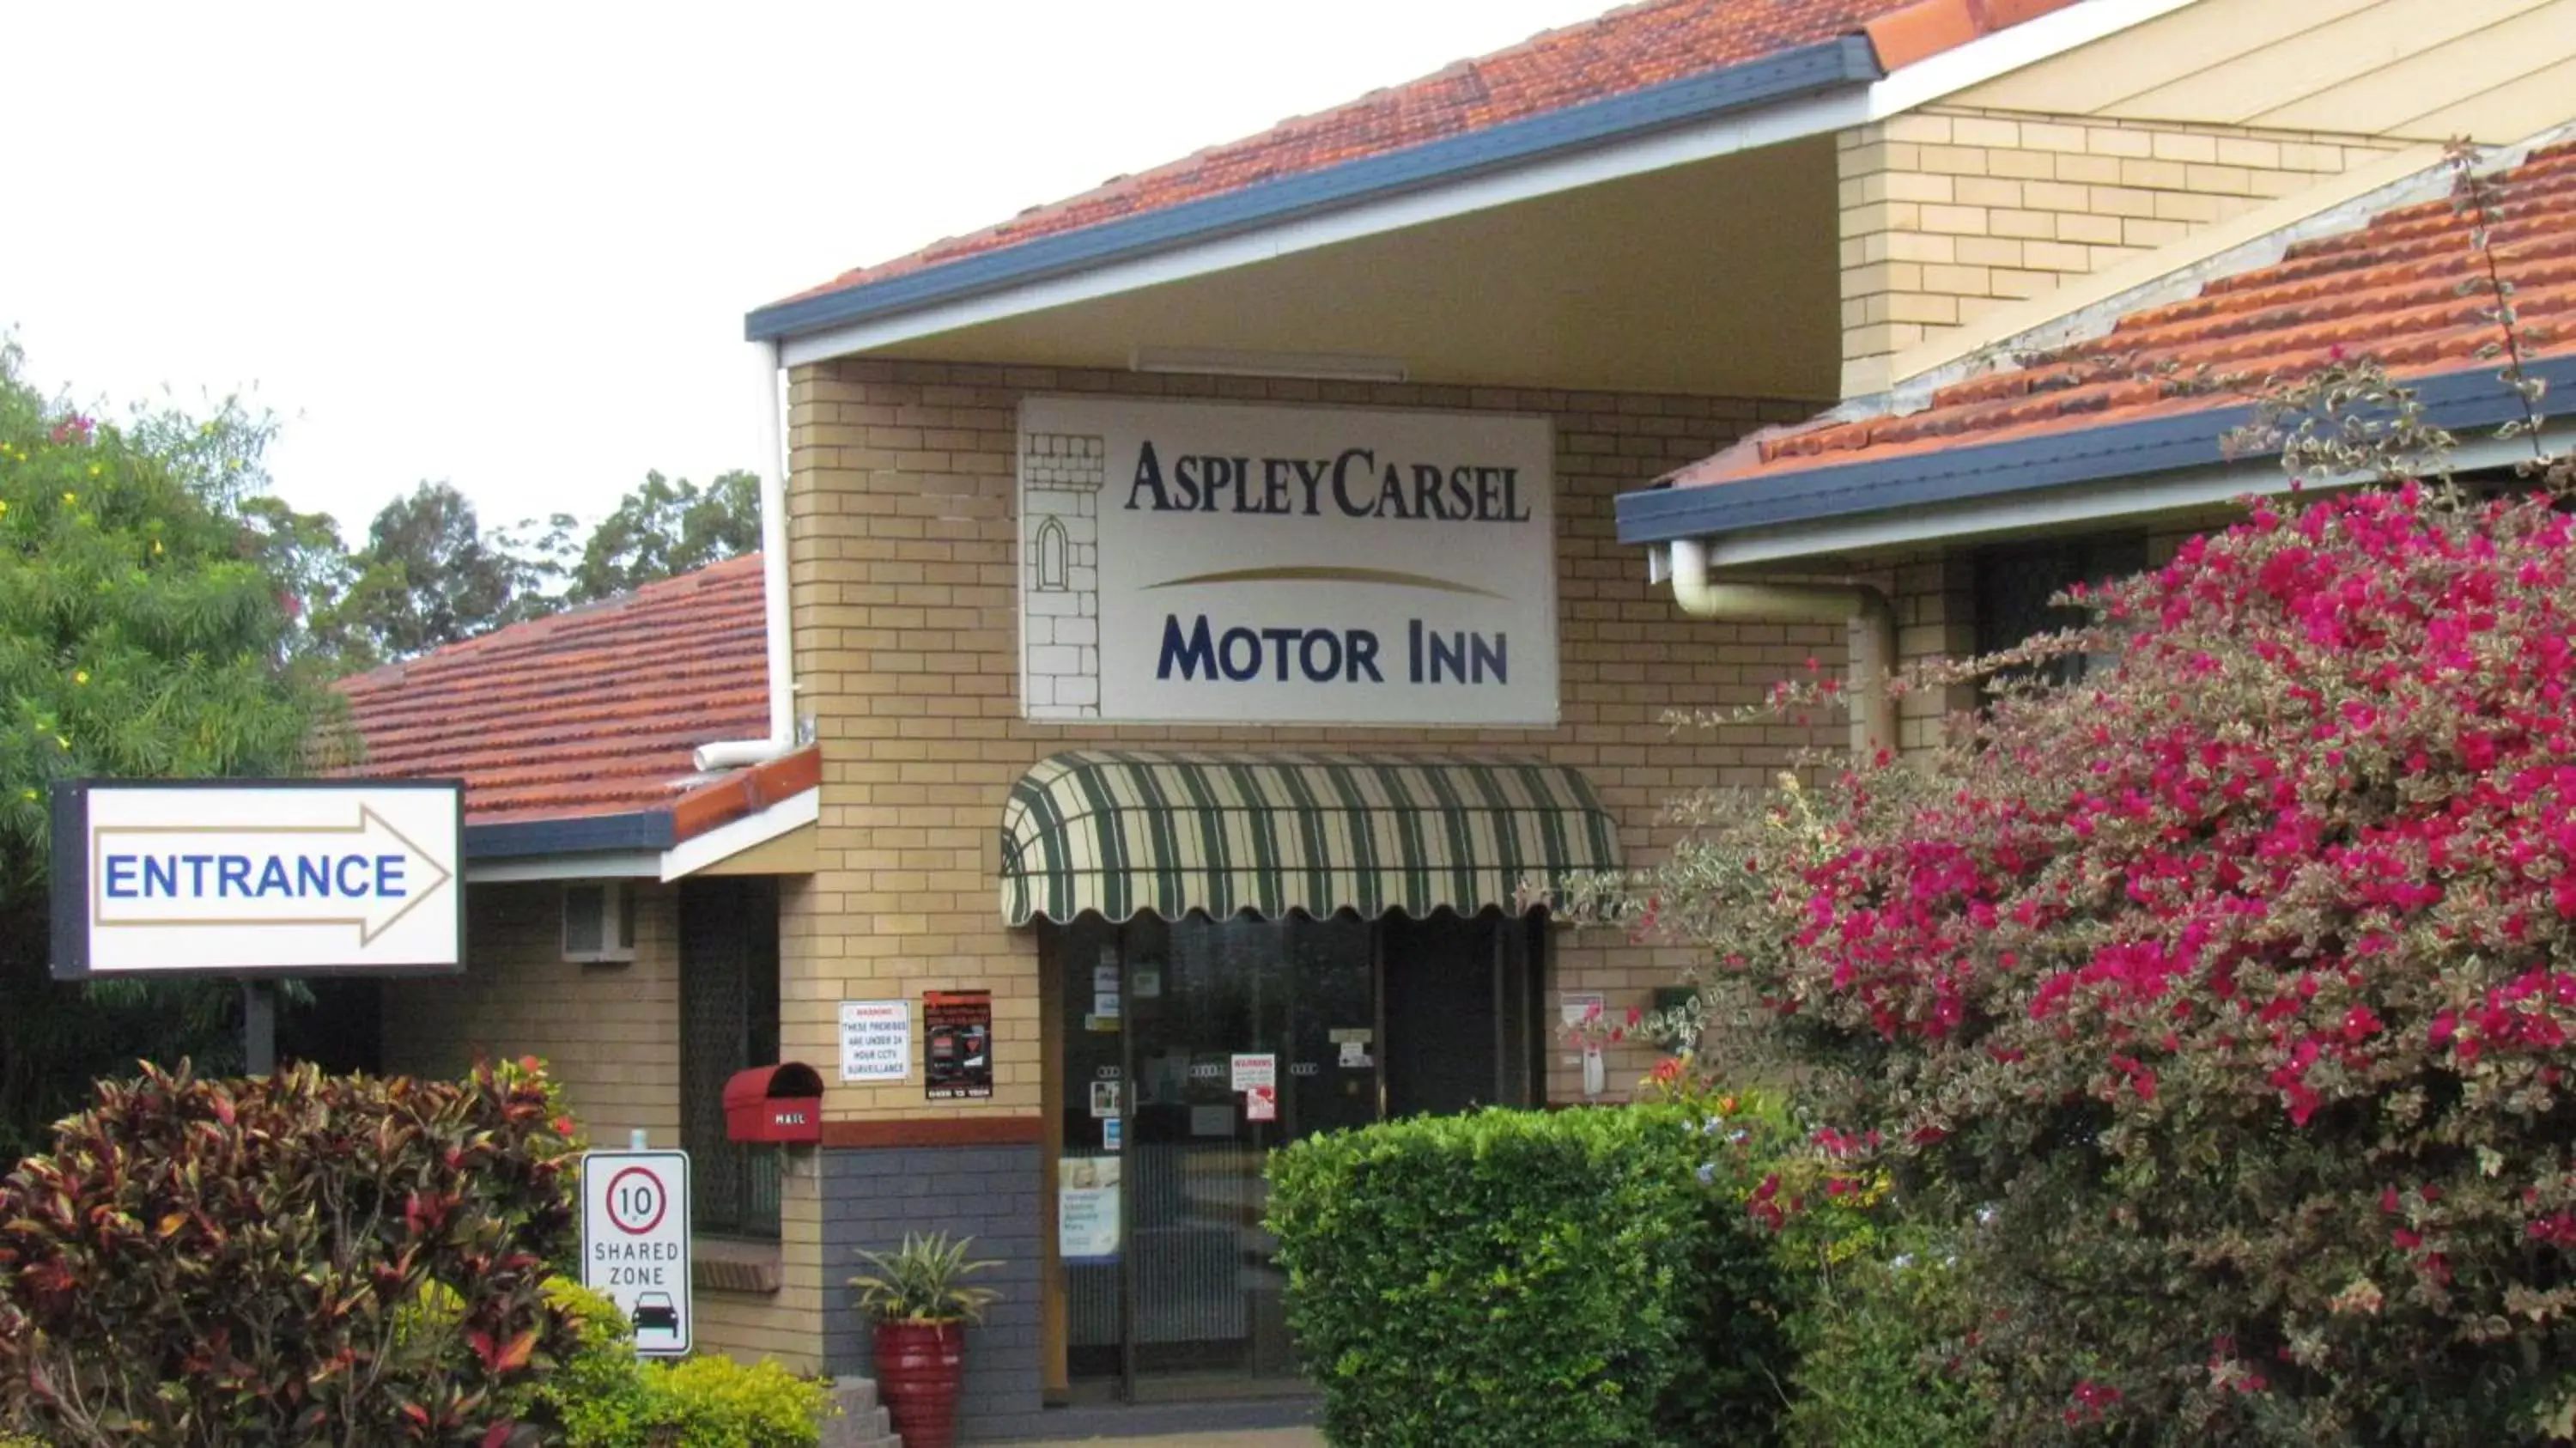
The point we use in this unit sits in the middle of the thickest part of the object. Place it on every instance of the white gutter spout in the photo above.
(782, 739)
(1865, 609)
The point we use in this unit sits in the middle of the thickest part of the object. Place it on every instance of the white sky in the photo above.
(511, 245)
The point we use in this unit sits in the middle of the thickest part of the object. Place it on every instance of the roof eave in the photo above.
(570, 835)
(2470, 398)
(1787, 75)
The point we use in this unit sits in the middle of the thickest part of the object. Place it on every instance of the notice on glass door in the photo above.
(957, 1058)
(1086, 1210)
(1256, 1070)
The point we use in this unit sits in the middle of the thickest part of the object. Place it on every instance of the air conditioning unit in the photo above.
(598, 922)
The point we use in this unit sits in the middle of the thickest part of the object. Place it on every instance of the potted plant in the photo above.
(917, 1300)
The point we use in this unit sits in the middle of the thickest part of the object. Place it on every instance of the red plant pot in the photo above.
(920, 1372)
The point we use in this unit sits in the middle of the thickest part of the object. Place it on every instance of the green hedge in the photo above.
(1504, 1279)
(603, 1396)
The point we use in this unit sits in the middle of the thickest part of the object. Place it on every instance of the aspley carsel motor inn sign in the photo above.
(1196, 562)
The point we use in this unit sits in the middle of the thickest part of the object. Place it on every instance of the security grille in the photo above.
(728, 1023)
(2015, 582)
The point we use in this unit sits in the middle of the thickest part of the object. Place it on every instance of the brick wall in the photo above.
(1949, 213)
(989, 1193)
(903, 560)
(1935, 598)
(783, 1324)
(611, 1036)
(610, 1033)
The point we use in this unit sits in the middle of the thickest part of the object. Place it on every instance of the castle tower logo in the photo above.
(1060, 481)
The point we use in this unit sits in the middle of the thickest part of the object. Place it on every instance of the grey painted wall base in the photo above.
(872, 1197)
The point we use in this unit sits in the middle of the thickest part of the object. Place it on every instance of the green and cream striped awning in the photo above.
(1123, 831)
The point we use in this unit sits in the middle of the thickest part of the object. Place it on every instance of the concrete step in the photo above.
(862, 1423)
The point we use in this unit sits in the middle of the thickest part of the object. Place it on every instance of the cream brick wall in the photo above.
(609, 1033)
(1948, 213)
(903, 559)
(1935, 598)
(787, 1324)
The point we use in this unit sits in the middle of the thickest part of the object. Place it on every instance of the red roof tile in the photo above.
(1628, 49)
(2389, 290)
(589, 712)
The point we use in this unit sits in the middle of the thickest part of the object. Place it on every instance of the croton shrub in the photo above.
(298, 1259)
(2219, 999)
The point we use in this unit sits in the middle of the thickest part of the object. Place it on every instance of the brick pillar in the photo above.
(1936, 617)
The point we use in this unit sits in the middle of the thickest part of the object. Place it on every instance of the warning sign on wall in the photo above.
(957, 1051)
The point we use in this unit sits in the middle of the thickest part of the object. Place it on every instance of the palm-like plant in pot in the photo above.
(918, 1300)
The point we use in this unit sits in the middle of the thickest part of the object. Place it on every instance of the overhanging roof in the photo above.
(574, 733)
(1848, 60)
(2159, 388)
(2459, 401)
(1615, 84)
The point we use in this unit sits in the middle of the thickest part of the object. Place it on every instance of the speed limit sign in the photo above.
(635, 1242)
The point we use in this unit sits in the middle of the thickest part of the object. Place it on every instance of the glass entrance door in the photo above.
(1228, 1025)
(1193, 1048)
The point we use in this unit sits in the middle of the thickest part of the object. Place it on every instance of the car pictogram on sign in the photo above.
(654, 1311)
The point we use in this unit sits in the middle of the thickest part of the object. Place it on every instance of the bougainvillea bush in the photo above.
(297, 1259)
(2221, 999)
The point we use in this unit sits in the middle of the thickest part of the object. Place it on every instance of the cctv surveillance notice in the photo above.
(1190, 562)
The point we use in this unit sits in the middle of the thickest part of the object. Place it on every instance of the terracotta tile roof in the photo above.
(1628, 49)
(2388, 290)
(590, 712)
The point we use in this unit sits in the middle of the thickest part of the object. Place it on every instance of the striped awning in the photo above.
(1122, 831)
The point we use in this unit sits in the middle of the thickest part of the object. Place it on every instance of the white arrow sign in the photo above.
(365, 875)
(260, 877)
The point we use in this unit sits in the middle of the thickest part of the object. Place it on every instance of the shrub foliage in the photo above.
(1497, 1279)
(603, 1396)
(301, 1259)
(2222, 998)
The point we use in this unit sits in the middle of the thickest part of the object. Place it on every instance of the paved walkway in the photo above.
(1253, 1439)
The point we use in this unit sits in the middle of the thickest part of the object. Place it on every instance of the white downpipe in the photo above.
(1872, 623)
(734, 753)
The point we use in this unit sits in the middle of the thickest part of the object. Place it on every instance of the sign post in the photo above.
(635, 1243)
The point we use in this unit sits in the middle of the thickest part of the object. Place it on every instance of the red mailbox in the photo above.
(774, 1103)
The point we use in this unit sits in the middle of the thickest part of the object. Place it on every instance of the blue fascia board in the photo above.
(582, 834)
(1806, 70)
(2457, 401)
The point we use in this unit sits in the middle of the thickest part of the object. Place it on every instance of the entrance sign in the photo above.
(1201, 562)
(287, 877)
(635, 1243)
(876, 1041)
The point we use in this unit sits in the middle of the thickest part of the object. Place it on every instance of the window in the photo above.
(2016, 580)
(1051, 557)
(728, 1023)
